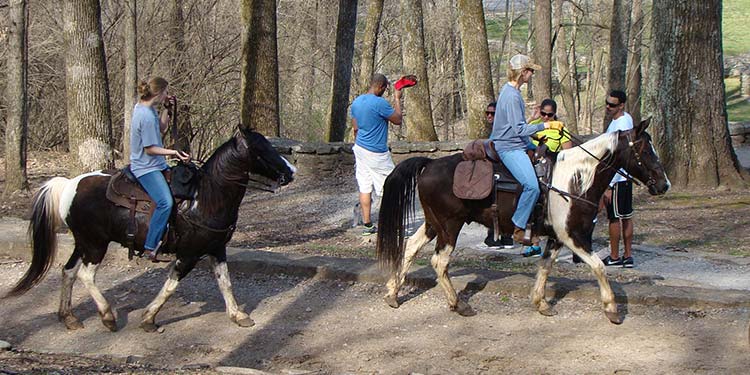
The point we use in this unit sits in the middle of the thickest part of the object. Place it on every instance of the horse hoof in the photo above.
(110, 324)
(613, 317)
(149, 327)
(71, 322)
(245, 322)
(548, 312)
(464, 309)
(392, 301)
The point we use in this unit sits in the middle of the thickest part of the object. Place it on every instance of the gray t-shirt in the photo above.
(510, 131)
(144, 132)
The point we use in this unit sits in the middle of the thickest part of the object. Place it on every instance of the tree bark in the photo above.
(618, 49)
(370, 43)
(476, 59)
(259, 105)
(342, 71)
(690, 127)
(418, 108)
(567, 87)
(87, 87)
(634, 78)
(542, 54)
(130, 84)
(16, 93)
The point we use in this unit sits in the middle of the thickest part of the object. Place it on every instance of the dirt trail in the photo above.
(332, 327)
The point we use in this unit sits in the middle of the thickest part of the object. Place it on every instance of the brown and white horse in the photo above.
(569, 220)
(202, 229)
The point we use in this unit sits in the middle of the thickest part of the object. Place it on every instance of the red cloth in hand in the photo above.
(405, 81)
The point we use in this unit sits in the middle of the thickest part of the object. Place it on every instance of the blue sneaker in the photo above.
(532, 251)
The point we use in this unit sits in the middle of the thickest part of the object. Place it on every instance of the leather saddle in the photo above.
(481, 172)
(124, 190)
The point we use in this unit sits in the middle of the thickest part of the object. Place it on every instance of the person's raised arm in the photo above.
(396, 117)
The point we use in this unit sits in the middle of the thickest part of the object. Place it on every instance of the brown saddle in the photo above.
(124, 190)
(481, 172)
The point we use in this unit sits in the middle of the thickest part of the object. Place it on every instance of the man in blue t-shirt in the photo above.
(370, 116)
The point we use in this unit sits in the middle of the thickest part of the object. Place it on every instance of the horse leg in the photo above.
(179, 269)
(414, 244)
(544, 266)
(607, 296)
(440, 261)
(221, 272)
(87, 274)
(69, 275)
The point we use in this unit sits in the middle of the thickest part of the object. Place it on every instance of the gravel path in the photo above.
(332, 327)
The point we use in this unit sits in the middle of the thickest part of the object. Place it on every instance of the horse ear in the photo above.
(240, 136)
(643, 125)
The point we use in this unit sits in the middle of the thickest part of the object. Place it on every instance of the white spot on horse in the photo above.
(69, 192)
(290, 165)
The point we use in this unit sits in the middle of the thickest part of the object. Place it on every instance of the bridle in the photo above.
(606, 163)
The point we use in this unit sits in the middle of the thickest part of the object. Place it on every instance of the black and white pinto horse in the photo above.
(569, 220)
(203, 228)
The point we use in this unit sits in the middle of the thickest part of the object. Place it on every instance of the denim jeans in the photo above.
(519, 165)
(157, 188)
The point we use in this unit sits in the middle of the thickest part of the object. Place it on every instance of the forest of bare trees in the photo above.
(290, 68)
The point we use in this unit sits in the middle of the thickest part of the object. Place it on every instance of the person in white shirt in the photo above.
(619, 197)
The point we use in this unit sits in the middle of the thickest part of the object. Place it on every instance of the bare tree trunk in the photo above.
(566, 77)
(476, 58)
(529, 49)
(342, 71)
(634, 63)
(542, 80)
(691, 130)
(130, 86)
(16, 92)
(259, 90)
(502, 62)
(618, 49)
(370, 43)
(87, 87)
(418, 108)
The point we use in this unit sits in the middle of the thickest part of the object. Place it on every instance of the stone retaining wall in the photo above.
(327, 159)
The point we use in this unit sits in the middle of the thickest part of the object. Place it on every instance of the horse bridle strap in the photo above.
(606, 165)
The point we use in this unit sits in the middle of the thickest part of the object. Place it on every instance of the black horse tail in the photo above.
(45, 219)
(397, 210)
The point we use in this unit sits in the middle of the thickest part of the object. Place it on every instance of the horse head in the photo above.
(263, 158)
(642, 161)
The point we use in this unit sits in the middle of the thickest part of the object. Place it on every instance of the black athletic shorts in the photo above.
(621, 206)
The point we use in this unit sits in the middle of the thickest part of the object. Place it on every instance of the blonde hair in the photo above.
(154, 86)
(513, 74)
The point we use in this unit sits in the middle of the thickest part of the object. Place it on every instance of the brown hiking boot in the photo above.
(522, 236)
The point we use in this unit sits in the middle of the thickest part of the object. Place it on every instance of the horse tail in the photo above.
(396, 210)
(45, 219)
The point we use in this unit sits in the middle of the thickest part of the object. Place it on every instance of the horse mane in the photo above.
(576, 167)
(225, 169)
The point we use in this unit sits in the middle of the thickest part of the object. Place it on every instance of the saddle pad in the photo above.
(475, 151)
(120, 189)
(473, 179)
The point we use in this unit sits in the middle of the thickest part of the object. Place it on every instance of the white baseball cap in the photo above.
(519, 62)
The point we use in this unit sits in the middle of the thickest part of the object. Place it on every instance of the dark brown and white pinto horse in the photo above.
(202, 229)
(569, 221)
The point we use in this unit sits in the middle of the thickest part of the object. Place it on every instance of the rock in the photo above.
(4, 345)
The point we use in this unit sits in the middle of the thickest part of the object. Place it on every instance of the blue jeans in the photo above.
(519, 165)
(157, 188)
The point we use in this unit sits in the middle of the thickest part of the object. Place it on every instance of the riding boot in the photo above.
(523, 236)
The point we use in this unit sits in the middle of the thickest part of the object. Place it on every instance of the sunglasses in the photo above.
(489, 113)
(545, 114)
(611, 105)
